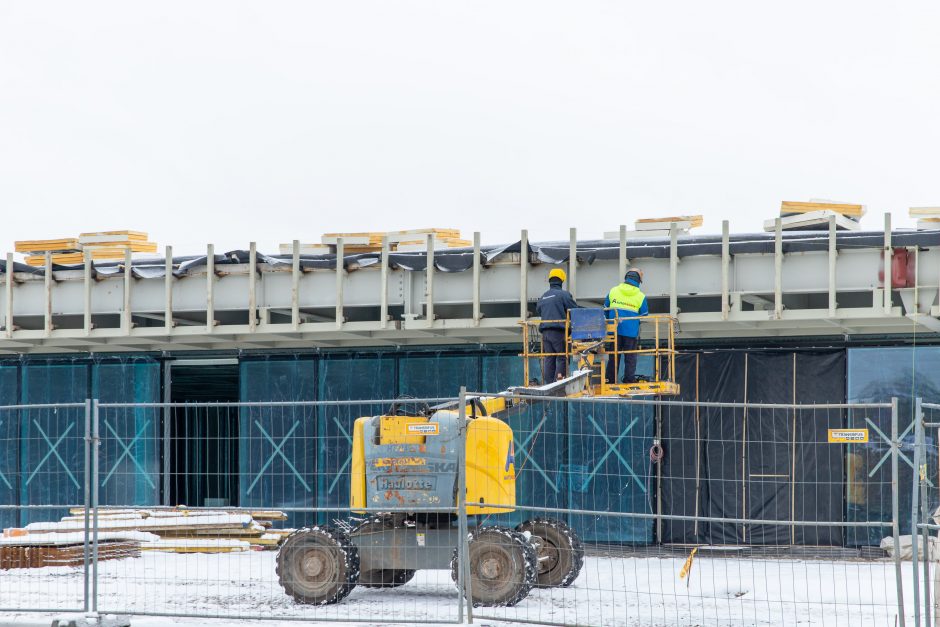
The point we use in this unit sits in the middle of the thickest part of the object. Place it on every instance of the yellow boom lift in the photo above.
(405, 480)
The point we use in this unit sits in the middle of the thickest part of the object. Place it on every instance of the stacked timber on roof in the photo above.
(928, 218)
(651, 228)
(414, 240)
(815, 215)
(100, 245)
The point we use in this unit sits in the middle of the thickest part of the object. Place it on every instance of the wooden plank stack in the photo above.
(371, 242)
(187, 531)
(23, 550)
(815, 215)
(928, 218)
(650, 228)
(791, 207)
(103, 245)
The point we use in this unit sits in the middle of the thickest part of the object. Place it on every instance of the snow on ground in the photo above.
(610, 591)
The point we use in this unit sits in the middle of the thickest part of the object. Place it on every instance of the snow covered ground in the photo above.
(610, 591)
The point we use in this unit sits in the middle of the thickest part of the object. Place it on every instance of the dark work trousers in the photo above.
(553, 341)
(624, 343)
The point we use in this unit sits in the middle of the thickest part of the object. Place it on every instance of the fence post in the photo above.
(915, 506)
(895, 510)
(86, 471)
(463, 550)
(95, 443)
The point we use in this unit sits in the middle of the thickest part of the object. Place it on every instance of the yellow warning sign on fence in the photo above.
(848, 436)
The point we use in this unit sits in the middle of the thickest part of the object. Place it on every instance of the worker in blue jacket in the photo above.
(553, 306)
(626, 302)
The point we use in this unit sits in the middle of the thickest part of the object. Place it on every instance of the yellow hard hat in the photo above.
(558, 273)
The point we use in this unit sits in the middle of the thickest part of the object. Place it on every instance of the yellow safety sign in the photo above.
(848, 436)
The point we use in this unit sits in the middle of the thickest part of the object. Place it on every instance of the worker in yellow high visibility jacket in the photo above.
(626, 302)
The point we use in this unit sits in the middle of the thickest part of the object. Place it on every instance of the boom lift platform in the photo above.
(410, 465)
(592, 338)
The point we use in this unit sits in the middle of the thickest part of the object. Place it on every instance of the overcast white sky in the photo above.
(227, 122)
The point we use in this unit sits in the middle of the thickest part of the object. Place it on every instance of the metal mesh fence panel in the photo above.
(756, 491)
(924, 450)
(229, 469)
(42, 475)
(577, 511)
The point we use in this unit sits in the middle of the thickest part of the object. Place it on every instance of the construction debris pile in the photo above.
(101, 245)
(127, 532)
(415, 240)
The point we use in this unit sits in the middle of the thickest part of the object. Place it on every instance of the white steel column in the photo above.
(210, 288)
(725, 267)
(86, 291)
(889, 259)
(295, 286)
(573, 262)
(47, 302)
(673, 269)
(252, 286)
(429, 282)
(168, 291)
(524, 275)
(476, 279)
(340, 282)
(833, 252)
(8, 288)
(778, 269)
(383, 305)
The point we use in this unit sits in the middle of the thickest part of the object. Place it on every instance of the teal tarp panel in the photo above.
(9, 445)
(540, 444)
(609, 470)
(877, 375)
(365, 377)
(53, 447)
(129, 456)
(277, 448)
(436, 375)
(504, 369)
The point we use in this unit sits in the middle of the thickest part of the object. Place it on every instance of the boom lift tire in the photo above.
(503, 566)
(385, 577)
(560, 554)
(318, 565)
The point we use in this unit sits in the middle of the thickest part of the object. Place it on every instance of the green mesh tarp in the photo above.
(52, 439)
(277, 458)
(608, 470)
(42, 449)
(129, 455)
(366, 377)
(877, 375)
(9, 445)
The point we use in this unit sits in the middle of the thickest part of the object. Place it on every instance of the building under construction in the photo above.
(825, 315)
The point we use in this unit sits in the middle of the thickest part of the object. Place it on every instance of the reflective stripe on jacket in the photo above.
(626, 302)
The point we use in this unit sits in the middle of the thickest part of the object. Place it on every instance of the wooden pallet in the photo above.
(38, 556)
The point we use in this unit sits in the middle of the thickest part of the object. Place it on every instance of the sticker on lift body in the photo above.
(427, 428)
